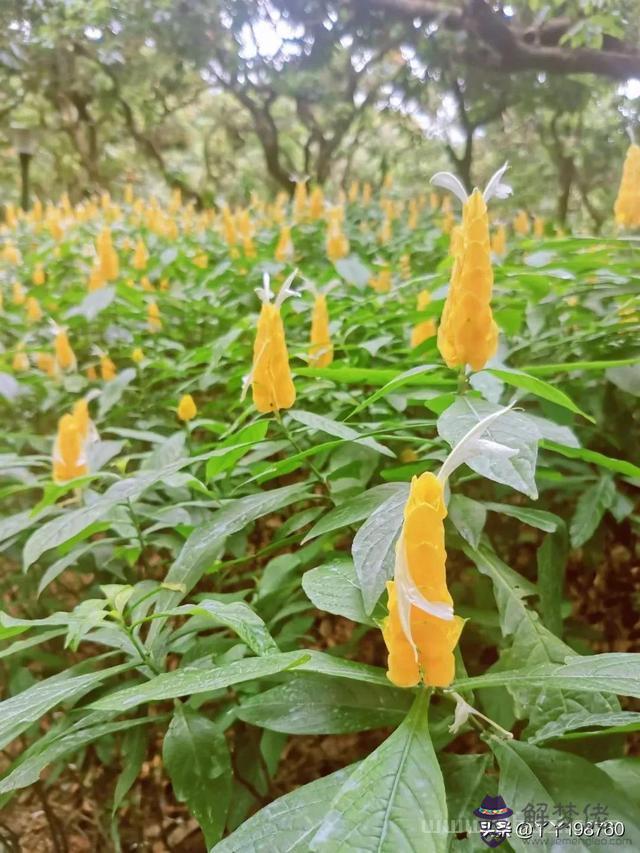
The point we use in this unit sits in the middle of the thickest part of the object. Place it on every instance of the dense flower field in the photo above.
(200, 410)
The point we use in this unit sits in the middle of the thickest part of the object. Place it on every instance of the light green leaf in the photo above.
(113, 391)
(619, 466)
(388, 795)
(616, 672)
(468, 517)
(551, 559)
(289, 822)
(623, 720)
(71, 523)
(236, 446)
(353, 271)
(337, 429)
(355, 509)
(18, 712)
(539, 518)
(242, 619)
(374, 547)
(333, 587)
(539, 387)
(513, 429)
(204, 544)
(529, 774)
(45, 752)
(191, 680)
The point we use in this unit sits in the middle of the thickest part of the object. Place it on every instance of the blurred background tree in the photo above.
(219, 97)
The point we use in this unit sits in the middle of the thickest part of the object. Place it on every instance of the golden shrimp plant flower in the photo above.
(284, 246)
(627, 204)
(421, 630)
(187, 409)
(34, 311)
(468, 334)
(69, 454)
(425, 329)
(270, 378)
(321, 350)
(140, 255)
(154, 321)
(38, 274)
(65, 356)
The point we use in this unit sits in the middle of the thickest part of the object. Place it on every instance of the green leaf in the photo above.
(18, 712)
(374, 546)
(468, 517)
(289, 822)
(204, 544)
(539, 387)
(337, 429)
(353, 271)
(529, 774)
(240, 618)
(19, 646)
(619, 466)
(333, 587)
(387, 796)
(134, 750)
(399, 380)
(374, 376)
(532, 645)
(71, 523)
(538, 518)
(617, 672)
(93, 303)
(568, 366)
(237, 446)
(625, 772)
(591, 507)
(354, 509)
(467, 780)
(113, 391)
(192, 680)
(551, 559)
(196, 756)
(622, 720)
(309, 704)
(47, 751)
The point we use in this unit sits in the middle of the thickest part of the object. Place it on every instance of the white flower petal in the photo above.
(286, 290)
(461, 714)
(449, 182)
(483, 445)
(265, 293)
(401, 577)
(408, 595)
(495, 187)
(468, 444)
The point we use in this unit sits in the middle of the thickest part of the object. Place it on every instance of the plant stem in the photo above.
(318, 474)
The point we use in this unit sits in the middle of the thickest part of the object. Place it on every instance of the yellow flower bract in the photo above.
(468, 333)
(435, 639)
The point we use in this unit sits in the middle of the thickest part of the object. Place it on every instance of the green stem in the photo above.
(138, 529)
(318, 474)
(145, 657)
(463, 382)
